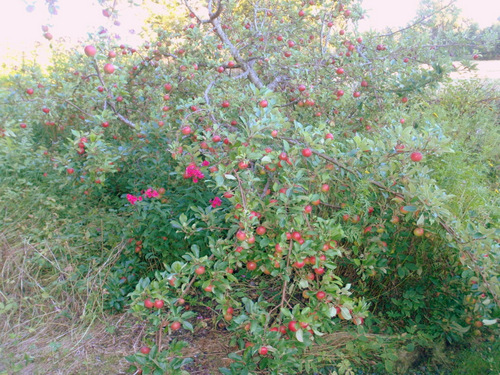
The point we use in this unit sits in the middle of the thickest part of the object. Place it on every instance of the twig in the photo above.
(285, 283)
(74, 105)
(209, 87)
(242, 192)
(326, 157)
(192, 280)
(207, 100)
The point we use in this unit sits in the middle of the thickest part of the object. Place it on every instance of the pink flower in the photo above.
(216, 202)
(193, 172)
(150, 193)
(132, 199)
(205, 163)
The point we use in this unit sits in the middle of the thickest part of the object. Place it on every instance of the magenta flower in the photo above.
(150, 193)
(193, 172)
(205, 163)
(216, 202)
(132, 199)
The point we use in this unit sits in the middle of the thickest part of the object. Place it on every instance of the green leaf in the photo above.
(187, 325)
(489, 322)
(234, 356)
(410, 208)
(299, 335)
(401, 272)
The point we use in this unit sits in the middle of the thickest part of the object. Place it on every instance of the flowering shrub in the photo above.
(132, 198)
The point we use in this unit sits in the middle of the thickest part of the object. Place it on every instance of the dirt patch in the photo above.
(64, 348)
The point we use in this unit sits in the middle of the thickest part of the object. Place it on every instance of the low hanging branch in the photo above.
(441, 221)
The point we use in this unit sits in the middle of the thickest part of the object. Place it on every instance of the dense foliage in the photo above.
(270, 163)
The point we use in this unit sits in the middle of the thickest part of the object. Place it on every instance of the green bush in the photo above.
(296, 183)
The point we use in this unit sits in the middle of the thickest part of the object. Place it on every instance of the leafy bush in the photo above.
(297, 185)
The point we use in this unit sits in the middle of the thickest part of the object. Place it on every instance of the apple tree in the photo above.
(274, 165)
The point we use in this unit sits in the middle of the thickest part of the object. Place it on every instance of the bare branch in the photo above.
(279, 79)
(242, 191)
(252, 75)
(209, 87)
(207, 100)
(214, 20)
(217, 12)
(74, 105)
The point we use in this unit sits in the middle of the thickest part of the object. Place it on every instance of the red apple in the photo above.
(200, 270)
(158, 304)
(416, 156)
(241, 235)
(419, 232)
(292, 326)
(109, 68)
(320, 295)
(90, 51)
(306, 152)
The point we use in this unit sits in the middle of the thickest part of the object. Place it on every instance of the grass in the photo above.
(483, 357)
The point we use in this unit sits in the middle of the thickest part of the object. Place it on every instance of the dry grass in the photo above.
(46, 328)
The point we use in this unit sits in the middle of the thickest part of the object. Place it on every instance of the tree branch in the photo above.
(111, 104)
(74, 105)
(214, 20)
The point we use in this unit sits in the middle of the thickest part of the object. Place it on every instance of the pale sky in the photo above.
(20, 29)
(397, 13)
